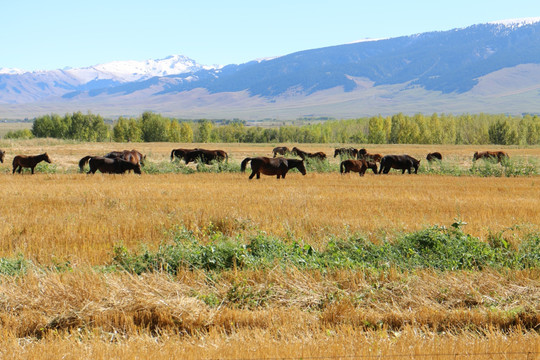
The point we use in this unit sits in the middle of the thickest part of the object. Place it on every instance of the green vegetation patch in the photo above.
(436, 247)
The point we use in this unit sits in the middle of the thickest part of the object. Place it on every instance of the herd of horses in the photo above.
(358, 160)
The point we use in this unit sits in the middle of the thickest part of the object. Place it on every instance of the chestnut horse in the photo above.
(2, 154)
(363, 154)
(434, 156)
(350, 152)
(359, 166)
(110, 165)
(495, 155)
(21, 161)
(206, 156)
(304, 154)
(180, 153)
(272, 166)
(132, 156)
(281, 150)
(401, 162)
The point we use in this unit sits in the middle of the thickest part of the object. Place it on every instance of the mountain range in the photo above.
(493, 68)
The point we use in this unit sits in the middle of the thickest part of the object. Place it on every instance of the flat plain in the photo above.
(67, 224)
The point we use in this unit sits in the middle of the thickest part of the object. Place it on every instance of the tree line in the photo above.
(473, 129)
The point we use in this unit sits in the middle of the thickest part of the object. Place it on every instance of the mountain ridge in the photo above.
(442, 64)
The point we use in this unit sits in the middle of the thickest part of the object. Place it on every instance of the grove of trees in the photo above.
(397, 129)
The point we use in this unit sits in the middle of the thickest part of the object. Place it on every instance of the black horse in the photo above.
(401, 162)
(206, 156)
(109, 166)
(272, 166)
(434, 156)
(180, 153)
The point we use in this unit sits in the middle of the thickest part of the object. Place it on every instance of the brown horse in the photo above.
(206, 156)
(349, 152)
(306, 155)
(495, 155)
(110, 165)
(434, 156)
(359, 166)
(272, 166)
(21, 161)
(2, 154)
(180, 153)
(132, 156)
(400, 162)
(363, 154)
(281, 150)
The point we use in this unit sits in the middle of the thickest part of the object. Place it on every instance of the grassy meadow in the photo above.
(70, 242)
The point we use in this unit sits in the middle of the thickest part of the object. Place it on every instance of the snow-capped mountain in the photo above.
(493, 67)
(125, 71)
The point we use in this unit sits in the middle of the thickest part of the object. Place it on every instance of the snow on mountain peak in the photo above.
(132, 70)
(513, 23)
(11, 71)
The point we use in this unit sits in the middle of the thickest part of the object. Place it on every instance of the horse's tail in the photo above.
(244, 164)
(172, 155)
(83, 162)
(342, 167)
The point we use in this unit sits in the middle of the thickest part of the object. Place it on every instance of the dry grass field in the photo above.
(91, 312)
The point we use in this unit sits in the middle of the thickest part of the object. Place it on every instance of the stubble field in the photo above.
(73, 299)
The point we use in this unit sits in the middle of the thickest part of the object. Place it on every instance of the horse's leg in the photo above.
(14, 168)
(252, 175)
(19, 169)
(258, 175)
(32, 169)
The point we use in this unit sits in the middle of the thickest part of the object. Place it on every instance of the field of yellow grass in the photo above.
(88, 312)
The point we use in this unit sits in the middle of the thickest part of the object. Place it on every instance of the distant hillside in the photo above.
(482, 68)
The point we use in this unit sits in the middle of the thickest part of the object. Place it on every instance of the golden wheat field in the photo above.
(91, 312)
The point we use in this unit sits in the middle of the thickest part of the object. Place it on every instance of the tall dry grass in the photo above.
(98, 315)
(80, 218)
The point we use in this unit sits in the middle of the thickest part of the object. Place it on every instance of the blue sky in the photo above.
(44, 35)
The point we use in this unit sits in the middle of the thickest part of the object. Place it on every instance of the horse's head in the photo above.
(47, 158)
(2, 154)
(336, 152)
(137, 169)
(362, 152)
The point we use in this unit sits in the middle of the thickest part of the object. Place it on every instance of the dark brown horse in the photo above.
(494, 155)
(306, 155)
(359, 166)
(349, 152)
(132, 156)
(2, 154)
(206, 156)
(21, 161)
(110, 165)
(363, 154)
(281, 150)
(400, 162)
(180, 153)
(434, 156)
(272, 166)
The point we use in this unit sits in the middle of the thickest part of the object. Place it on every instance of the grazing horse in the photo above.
(359, 166)
(132, 156)
(363, 154)
(281, 150)
(303, 154)
(180, 153)
(206, 156)
(350, 152)
(110, 165)
(272, 166)
(401, 162)
(2, 154)
(434, 156)
(21, 161)
(498, 155)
